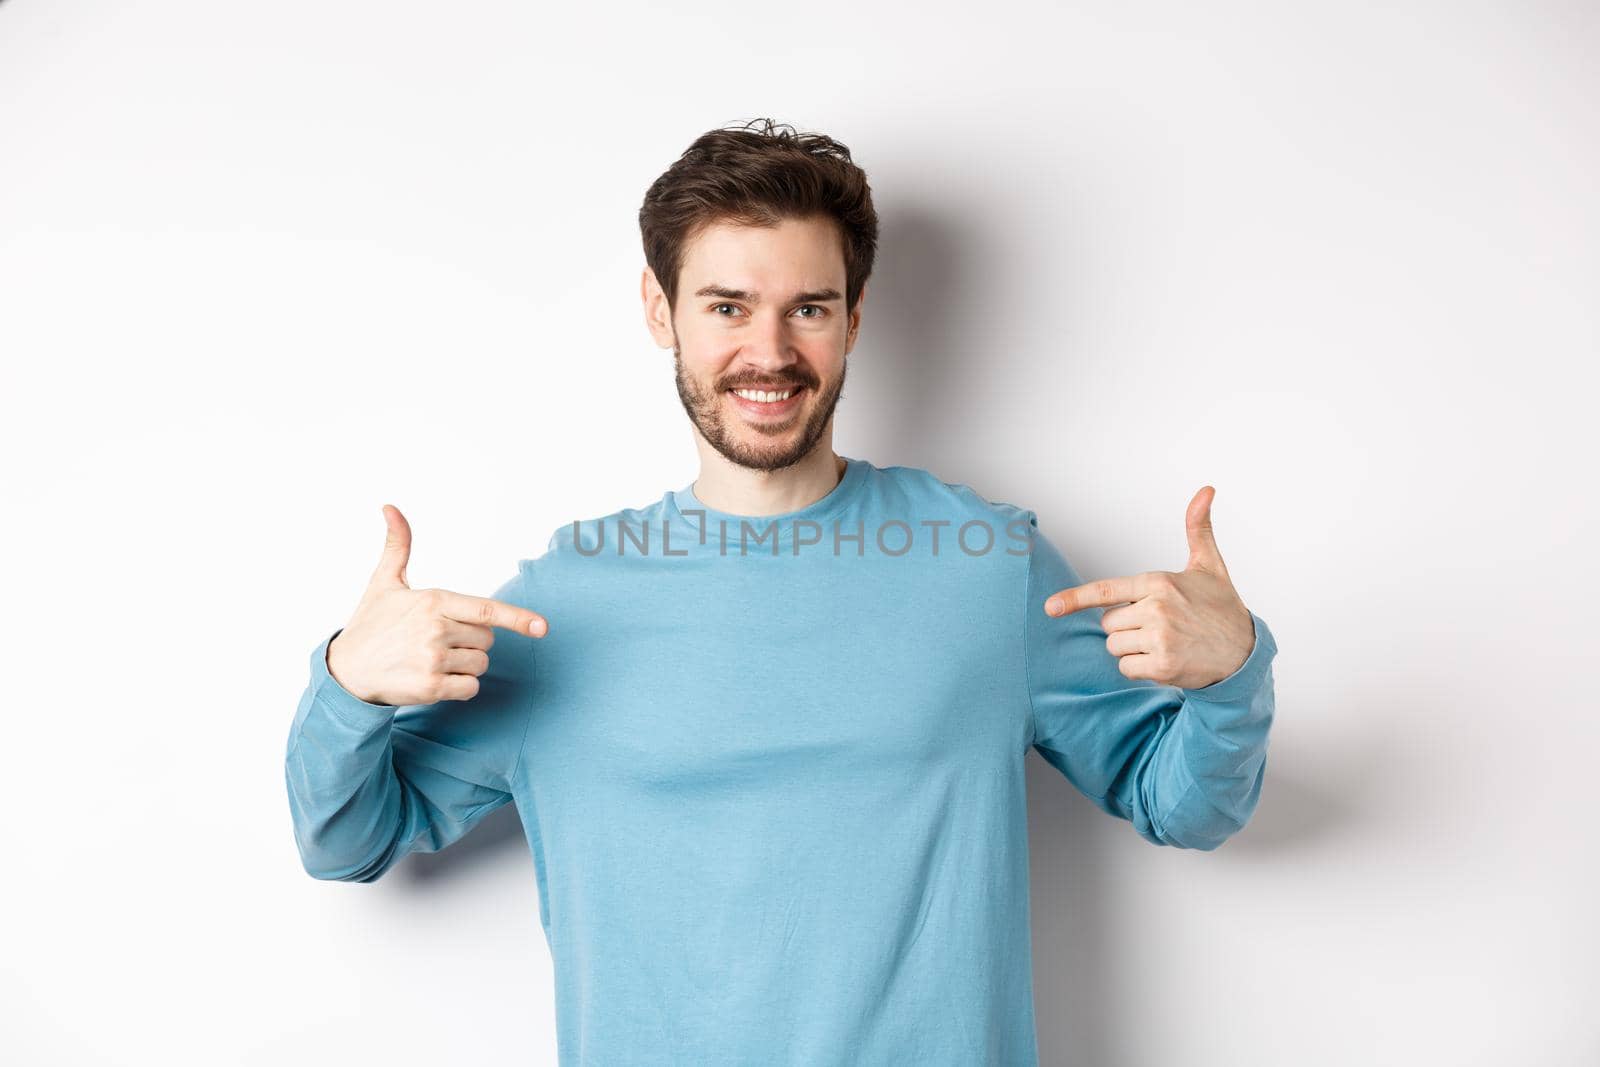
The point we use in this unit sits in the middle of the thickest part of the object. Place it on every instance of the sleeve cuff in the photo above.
(327, 690)
(1245, 680)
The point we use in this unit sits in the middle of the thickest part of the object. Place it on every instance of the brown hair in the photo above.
(758, 174)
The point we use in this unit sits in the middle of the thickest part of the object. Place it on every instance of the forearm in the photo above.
(347, 802)
(1212, 760)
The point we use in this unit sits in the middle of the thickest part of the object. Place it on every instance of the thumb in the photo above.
(391, 569)
(1203, 552)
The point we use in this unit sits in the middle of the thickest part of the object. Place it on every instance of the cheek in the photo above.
(827, 364)
(706, 365)
(703, 351)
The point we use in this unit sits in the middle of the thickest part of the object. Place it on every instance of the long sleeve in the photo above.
(369, 783)
(1184, 766)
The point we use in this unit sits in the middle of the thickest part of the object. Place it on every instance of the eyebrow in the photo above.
(814, 296)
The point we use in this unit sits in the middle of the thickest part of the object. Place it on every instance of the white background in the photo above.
(264, 267)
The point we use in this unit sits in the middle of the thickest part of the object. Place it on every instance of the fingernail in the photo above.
(1053, 606)
(536, 627)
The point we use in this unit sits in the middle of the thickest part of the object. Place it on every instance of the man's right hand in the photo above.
(418, 646)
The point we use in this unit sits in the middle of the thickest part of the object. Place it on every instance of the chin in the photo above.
(766, 454)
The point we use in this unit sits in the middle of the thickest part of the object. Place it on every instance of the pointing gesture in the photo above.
(1187, 629)
(418, 646)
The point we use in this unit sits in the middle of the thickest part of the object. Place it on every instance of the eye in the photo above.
(820, 311)
(714, 308)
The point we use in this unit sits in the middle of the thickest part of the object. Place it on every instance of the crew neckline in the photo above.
(684, 500)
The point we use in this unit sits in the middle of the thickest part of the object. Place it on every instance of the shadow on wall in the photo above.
(500, 832)
(1075, 988)
(1080, 998)
(920, 358)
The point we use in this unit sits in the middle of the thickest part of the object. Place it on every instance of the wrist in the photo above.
(333, 672)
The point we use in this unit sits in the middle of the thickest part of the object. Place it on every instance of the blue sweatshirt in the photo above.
(771, 771)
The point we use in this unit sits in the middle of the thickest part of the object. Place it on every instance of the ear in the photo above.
(855, 320)
(657, 312)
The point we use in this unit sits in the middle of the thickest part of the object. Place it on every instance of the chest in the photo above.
(732, 676)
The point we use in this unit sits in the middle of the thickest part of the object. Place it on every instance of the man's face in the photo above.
(759, 308)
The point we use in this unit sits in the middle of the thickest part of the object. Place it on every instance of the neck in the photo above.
(726, 486)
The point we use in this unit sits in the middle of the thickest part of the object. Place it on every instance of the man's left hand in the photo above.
(1187, 629)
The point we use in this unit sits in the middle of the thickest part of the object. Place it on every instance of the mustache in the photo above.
(777, 386)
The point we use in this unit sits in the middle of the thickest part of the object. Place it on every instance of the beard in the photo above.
(785, 448)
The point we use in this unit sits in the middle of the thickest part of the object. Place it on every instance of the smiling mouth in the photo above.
(767, 401)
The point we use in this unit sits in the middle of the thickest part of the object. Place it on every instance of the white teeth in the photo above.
(764, 397)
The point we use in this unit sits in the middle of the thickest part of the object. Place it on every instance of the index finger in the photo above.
(1096, 594)
(483, 611)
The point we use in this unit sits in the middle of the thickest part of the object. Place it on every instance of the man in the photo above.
(766, 735)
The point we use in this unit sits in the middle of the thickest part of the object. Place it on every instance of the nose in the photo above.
(768, 347)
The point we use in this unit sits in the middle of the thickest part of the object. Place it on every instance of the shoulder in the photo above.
(570, 540)
(924, 495)
(581, 553)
